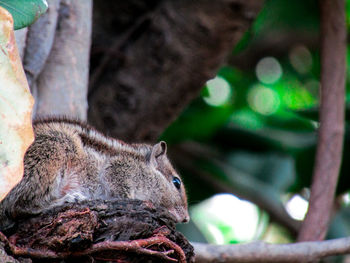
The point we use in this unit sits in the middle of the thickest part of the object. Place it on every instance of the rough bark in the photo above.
(162, 54)
(117, 230)
(4, 257)
(331, 131)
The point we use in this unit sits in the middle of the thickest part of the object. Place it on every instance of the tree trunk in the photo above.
(157, 58)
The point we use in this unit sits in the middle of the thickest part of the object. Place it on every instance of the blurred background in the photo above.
(245, 147)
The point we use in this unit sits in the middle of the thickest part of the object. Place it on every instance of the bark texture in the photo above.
(331, 131)
(117, 230)
(4, 257)
(160, 56)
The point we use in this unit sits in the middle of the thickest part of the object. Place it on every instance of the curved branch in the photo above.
(330, 139)
(258, 252)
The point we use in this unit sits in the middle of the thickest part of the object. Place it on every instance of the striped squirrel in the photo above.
(70, 161)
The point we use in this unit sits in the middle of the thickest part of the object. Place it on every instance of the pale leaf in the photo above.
(16, 102)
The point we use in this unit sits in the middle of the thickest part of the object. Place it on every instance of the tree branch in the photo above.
(63, 83)
(330, 139)
(163, 64)
(258, 252)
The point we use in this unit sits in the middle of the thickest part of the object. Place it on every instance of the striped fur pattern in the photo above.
(70, 161)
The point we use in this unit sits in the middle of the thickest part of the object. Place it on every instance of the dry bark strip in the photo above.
(331, 131)
(142, 248)
(163, 62)
(117, 230)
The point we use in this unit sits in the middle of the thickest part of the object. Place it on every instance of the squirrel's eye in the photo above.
(177, 182)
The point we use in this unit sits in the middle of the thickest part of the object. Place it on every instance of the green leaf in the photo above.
(24, 12)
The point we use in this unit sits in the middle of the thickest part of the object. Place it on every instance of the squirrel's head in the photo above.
(173, 191)
(148, 175)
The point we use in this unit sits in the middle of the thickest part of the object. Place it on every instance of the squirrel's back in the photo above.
(70, 161)
(87, 136)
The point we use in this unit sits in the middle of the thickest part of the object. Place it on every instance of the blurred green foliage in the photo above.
(261, 137)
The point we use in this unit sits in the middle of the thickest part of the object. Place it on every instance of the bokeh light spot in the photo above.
(301, 59)
(221, 225)
(263, 100)
(268, 70)
(297, 207)
(219, 91)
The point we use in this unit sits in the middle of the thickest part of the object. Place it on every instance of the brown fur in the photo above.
(70, 161)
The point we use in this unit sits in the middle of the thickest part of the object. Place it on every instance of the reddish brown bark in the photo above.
(120, 230)
(330, 138)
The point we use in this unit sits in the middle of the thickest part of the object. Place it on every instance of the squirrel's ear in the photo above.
(157, 151)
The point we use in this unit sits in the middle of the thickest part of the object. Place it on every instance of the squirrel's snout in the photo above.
(186, 219)
(181, 215)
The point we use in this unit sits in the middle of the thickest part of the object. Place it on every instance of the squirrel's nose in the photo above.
(186, 219)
